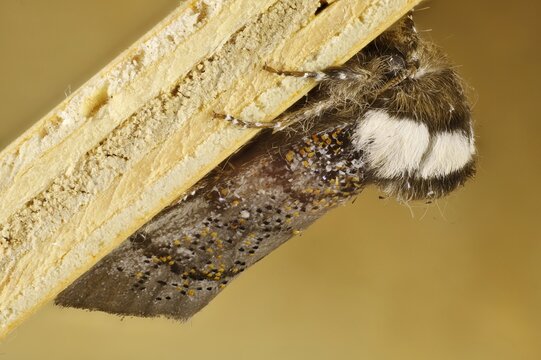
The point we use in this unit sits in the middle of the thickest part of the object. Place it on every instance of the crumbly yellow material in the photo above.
(141, 132)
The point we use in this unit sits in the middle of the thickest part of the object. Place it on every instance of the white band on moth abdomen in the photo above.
(395, 147)
(450, 152)
(392, 146)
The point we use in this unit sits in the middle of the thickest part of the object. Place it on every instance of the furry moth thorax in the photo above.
(416, 137)
(409, 116)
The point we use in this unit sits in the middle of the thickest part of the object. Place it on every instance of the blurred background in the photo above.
(460, 279)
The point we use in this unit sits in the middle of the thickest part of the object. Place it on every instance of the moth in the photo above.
(395, 116)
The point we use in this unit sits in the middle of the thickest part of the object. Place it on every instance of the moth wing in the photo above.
(109, 287)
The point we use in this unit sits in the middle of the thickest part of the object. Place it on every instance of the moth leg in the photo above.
(307, 112)
(340, 73)
(246, 124)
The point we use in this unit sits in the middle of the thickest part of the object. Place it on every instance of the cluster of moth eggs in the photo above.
(327, 157)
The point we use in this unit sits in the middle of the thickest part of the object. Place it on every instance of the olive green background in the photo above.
(373, 280)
